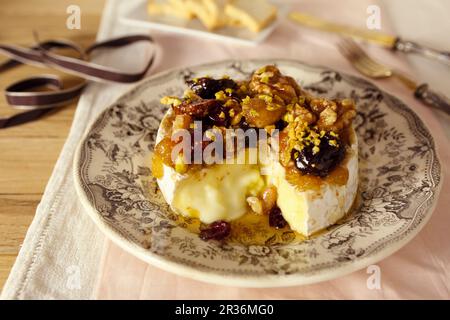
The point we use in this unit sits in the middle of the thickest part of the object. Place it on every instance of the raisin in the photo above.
(217, 230)
(322, 162)
(276, 219)
(206, 87)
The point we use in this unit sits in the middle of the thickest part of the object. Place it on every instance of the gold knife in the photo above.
(386, 40)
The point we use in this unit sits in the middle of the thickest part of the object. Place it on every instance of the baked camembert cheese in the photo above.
(209, 165)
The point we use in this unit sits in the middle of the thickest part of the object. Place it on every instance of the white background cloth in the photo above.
(61, 254)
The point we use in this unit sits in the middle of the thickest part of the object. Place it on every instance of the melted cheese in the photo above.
(218, 192)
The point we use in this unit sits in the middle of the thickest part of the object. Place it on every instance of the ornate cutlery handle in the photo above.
(432, 98)
(409, 46)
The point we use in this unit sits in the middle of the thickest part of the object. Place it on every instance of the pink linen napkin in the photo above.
(419, 270)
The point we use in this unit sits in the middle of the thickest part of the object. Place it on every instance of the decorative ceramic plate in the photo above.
(136, 15)
(399, 183)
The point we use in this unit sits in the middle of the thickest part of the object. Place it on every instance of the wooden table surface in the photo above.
(29, 152)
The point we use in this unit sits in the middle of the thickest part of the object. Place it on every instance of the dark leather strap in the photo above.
(21, 94)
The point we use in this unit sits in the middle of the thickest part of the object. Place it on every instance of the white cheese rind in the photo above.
(310, 211)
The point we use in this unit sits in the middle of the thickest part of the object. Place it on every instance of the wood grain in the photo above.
(29, 152)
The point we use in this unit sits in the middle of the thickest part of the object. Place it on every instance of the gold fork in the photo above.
(373, 69)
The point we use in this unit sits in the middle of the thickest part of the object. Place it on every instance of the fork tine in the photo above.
(351, 52)
(371, 63)
(359, 53)
(354, 47)
(355, 57)
(360, 59)
(345, 50)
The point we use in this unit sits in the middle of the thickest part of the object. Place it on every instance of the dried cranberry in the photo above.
(276, 219)
(207, 87)
(217, 230)
(321, 163)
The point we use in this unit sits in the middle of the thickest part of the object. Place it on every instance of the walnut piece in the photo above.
(327, 117)
(333, 115)
(304, 114)
(269, 80)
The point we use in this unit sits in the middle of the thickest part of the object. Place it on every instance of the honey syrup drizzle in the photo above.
(250, 229)
(254, 229)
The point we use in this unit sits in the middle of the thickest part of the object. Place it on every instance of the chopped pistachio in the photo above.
(229, 103)
(288, 117)
(316, 142)
(254, 113)
(261, 70)
(266, 98)
(171, 100)
(273, 106)
(220, 95)
(210, 135)
(334, 134)
(267, 74)
(291, 133)
(246, 100)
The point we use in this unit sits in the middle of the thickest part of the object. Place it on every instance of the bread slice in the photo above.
(254, 14)
(209, 12)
